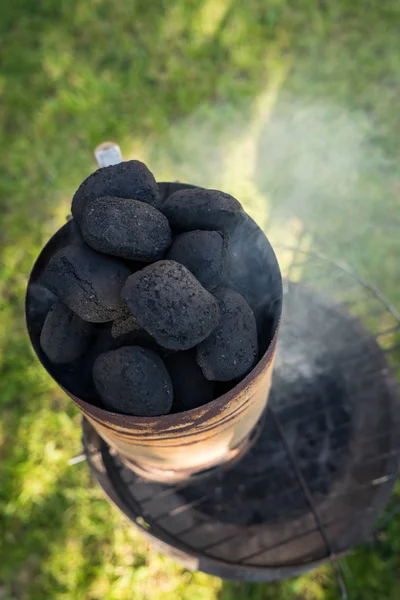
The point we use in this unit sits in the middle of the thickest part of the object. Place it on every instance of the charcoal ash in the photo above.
(133, 381)
(65, 336)
(171, 305)
(198, 208)
(191, 388)
(125, 228)
(89, 283)
(231, 350)
(130, 179)
(204, 253)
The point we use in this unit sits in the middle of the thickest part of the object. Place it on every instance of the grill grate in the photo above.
(324, 466)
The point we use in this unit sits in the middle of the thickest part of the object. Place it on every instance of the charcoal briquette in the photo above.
(204, 253)
(64, 336)
(130, 179)
(133, 381)
(126, 228)
(39, 300)
(89, 283)
(171, 305)
(231, 350)
(198, 208)
(191, 388)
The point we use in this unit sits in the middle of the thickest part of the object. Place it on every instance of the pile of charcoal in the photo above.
(140, 298)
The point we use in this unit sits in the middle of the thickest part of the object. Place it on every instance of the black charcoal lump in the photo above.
(171, 305)
(204, 253)
(130, 179)
(64, 336)
(133, 381)
(199, 208)
(87, 282)
(232, 349)
(191, 388)
(39, 300)
(126, 228)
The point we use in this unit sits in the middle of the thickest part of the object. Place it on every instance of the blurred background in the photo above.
(293, 108)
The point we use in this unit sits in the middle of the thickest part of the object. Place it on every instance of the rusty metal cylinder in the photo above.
(173, 447)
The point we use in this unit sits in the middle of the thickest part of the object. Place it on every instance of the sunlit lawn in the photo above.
(293, 107)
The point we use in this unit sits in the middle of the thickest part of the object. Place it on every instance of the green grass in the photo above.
(293, 106)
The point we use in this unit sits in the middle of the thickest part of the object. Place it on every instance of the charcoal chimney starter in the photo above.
(173, 447)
